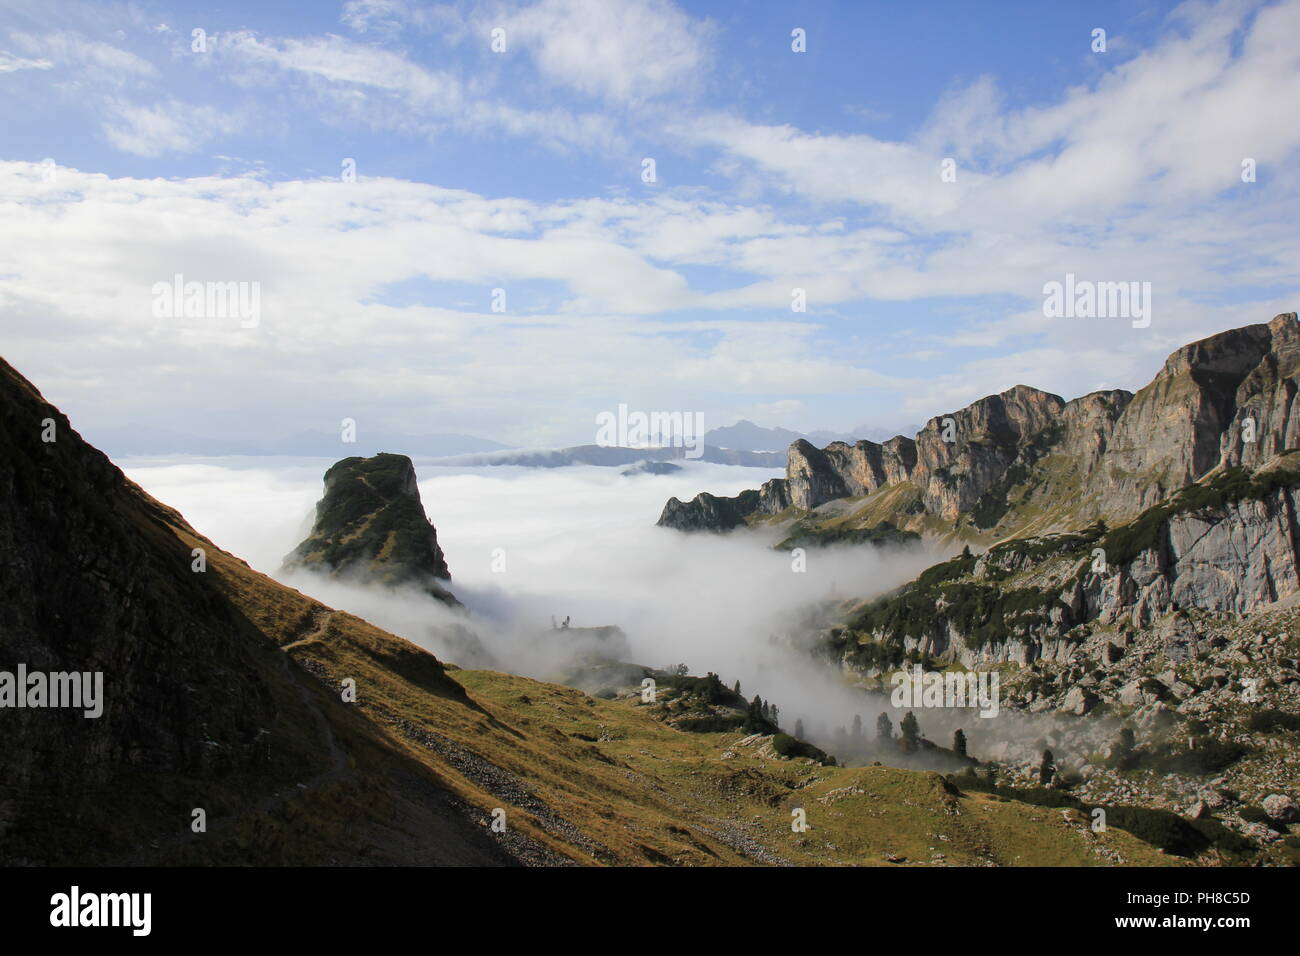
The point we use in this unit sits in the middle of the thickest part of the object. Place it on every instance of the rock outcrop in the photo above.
(961, 456)
(706, 512)
(1026, 462)
(371, 528)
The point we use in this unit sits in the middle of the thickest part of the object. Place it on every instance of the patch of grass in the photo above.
(1159, 828)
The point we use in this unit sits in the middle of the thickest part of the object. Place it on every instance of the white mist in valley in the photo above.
(527, 546)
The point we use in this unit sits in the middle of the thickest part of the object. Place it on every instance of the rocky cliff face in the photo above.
(706, 512)
(1229, 545)
(1171, 433)
(962, 455)
(1181, 625)
(371, 528)
(1025, 461)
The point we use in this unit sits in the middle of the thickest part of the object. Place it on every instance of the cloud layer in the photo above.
(378, 294)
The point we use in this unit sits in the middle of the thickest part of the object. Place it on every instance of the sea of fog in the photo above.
(528, 544)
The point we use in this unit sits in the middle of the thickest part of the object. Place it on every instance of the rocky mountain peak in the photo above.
(371, 527)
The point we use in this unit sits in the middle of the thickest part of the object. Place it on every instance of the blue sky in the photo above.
(521, 170)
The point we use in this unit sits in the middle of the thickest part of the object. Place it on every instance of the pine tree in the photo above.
(910, 730)
(857, 726)
(959, 743)
(798, 728)
(1047, 769)
(884, 727)
(1124, 746)
(736, 689)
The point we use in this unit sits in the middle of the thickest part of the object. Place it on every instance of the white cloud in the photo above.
(625, 51)
(1131, 176)
(12, 64)
(168, 127)
(102, 62)
(341, 61)
(1168, 127)
(324, 251)
(373, 86)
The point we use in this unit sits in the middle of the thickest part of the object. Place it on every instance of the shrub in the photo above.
(1209, 756)
(788, 746)
(1273, 721)
(1162, 829)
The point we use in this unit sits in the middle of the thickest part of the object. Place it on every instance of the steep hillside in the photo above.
(308, 736)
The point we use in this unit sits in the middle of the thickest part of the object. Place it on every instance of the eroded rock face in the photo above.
(1231, 559)
(813, 476)
(371, 527)
(774, 496)
(1026, 457)
(1234, 560)
(706, 512)
(1170, 433)
(1267, 396)
(987, 437)
(841, 470)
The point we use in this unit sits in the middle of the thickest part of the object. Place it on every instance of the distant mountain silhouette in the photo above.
(747, 436)
(128, 440)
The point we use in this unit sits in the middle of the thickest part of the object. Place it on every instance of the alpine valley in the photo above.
(1120, 601)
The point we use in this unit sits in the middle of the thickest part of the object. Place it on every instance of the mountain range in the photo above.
(1128, 566)
(1026, 461)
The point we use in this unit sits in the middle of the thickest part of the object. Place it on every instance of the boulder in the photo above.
(1079, 701)
(1281, 808)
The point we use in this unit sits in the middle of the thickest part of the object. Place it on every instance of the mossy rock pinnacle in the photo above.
(371, 527)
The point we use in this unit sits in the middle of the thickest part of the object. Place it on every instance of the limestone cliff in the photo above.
(1228, 545)
(1027, 462)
